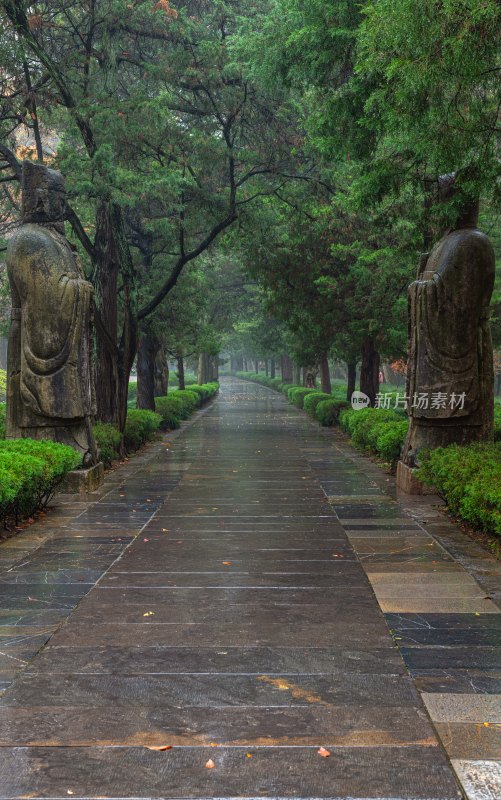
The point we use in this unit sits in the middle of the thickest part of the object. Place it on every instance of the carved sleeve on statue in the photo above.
(448, 304)
(55, 309)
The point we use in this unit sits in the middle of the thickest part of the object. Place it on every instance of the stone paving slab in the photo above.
(417, 773)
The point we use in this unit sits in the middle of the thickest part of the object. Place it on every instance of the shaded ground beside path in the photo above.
(238, 624)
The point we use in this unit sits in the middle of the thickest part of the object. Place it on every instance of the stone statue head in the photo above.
(43, 195)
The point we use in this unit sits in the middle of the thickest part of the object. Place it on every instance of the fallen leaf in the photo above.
(160, 748)
(209, 764)
(248, 755)
(149, 614)
(227, 563)
(146, 540)
(323, 752)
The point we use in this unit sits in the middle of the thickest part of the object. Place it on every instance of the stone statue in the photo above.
(50, 391)
(450, 370)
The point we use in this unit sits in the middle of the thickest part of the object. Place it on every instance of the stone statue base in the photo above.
(408, 482)
(82, 481)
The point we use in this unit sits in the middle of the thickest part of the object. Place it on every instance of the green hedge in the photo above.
(108, 441)
(297, 395)
(469, 480)
(327, 411)
(379, 431)
(312, 400)
(142, 426)
(30, 471)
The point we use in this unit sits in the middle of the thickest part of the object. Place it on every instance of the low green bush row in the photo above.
(30, 471)
(379, 431)
(327, 411)
(142, 426)
(469, 480)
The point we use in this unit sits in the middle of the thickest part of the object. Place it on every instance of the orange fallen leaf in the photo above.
(323, 752)
(209, 764)
(248, 755)
(227, 563)
(161, 748)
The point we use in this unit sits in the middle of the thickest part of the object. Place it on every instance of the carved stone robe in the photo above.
(50, 384)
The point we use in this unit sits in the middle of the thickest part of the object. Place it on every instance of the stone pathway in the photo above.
(247, 568)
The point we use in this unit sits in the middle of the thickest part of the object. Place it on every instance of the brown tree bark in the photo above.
(352, 379)
(161, 373)
(180, 372)
(146, 354)
(272, 368)
(369, 370)
(286, 368)
(325, 377)
(106, 286)
(203, 368)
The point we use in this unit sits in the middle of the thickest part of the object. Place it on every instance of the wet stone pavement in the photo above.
(247, 592)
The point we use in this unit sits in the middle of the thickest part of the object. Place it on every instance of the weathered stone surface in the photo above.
(407, 481)
(450, 349)
(481, 780)
(82, 481)
(49, 386)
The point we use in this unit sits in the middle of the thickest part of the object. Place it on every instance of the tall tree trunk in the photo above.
(286, 368)
(369, 370)
(352, 379)
(266, 367)
(213, 368)
(106, 292)
(180, 372)
(161, 373)
(325, 374)
(146, 355)
(296, 374)
(257, 366)
(203, 368)
(272, 368)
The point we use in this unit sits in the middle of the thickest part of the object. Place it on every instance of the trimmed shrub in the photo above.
(389, 440)
(30, 471)
(380, 431)
(141, 426)
(172, 410)
(312, 400)
(469, 480)
(205, 391)
(327, 411)
(191, 399)
(108, 441)
(297, 394)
